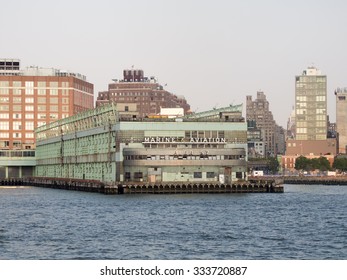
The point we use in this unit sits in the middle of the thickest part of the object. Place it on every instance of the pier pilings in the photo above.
(145, 188)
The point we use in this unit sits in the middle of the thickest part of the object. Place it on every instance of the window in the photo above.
(29, 116)
(53, 108)
(41, 100)
(4, 99)
(29, 135)
(4, 135)
(29, 88)
(41, 108)
(4, 144)
(4, 116)
(17, 99)
(17, 125)
(17, 135)
(17, 107)
(197, 175)
(17, 91)
(17, 84)
(54, 100)
(29, 108)
(29, 100)
(41, 91)
(53, 92)
(320, 98)
(4, 125)
(29, 125)
(4, 107)
(342, 98)
(53, 84)
(17, 116)
(210, 175)
(41, 84)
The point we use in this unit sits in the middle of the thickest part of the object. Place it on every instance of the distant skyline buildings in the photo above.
(258, 112)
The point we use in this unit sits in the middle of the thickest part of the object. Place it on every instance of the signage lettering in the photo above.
(191, 140)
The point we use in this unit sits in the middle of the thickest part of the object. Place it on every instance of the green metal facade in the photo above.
(97, 145)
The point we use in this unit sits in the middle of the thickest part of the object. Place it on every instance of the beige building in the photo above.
(311, 105)
(258, 111)
(341, 119)
(310, 120)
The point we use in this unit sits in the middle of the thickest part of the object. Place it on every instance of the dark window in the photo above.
(210, 175)
(197, 175)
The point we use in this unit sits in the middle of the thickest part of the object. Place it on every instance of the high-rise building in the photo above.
(341, 119)
(311, 105)
(148, 95)
(258, 111)
(30, 98)
(311, 120)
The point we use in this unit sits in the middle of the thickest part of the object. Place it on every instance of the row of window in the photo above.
(18, 125)
(196, 175)
(202, 156)
(31, 108)
(16, 135)
(30, 84)
(304, 111)
(31, 116)
(31, 91)
(52, 100)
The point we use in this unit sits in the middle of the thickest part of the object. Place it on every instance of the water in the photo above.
(305, 222)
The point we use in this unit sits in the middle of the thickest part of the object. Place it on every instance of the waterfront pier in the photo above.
(146, 188)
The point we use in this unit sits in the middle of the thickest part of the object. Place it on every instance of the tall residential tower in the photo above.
(311, 105)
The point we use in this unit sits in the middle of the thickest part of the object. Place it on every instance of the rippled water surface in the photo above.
(305, 222)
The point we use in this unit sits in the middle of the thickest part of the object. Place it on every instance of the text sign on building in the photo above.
(180, 140)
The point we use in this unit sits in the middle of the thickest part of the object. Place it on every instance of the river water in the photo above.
(305, 222)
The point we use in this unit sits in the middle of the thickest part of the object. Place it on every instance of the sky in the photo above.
(214, 53)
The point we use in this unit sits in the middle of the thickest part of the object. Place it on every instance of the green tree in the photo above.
(273, 165)
(340, 164)
(323, 164)
(301, 163)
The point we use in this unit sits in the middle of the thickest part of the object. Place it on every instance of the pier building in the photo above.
(104, 145)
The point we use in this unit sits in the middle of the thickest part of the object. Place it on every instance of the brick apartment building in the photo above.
(145, 93)
(30, 98)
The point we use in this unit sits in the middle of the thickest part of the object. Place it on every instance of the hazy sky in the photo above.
(212, 52)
